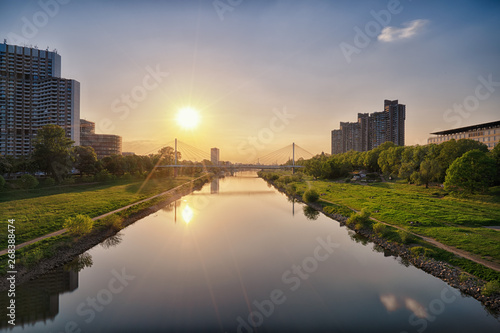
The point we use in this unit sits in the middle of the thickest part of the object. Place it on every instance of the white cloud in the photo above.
(392, 34)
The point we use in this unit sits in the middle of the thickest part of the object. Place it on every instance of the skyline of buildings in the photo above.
(371, 130)
(33, 94)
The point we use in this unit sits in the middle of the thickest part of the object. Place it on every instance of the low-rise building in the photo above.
(103, 144)
(487, 133)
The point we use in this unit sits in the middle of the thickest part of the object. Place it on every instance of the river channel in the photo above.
(238, 256)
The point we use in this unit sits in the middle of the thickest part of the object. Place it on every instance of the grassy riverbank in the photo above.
(42, 211)
(456, 222)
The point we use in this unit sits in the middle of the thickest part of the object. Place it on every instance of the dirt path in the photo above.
(59, 232)
(454, 250)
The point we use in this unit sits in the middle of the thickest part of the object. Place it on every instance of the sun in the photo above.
(188, 118)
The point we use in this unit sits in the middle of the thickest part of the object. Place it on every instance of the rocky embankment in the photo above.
(83, 244)
(446, 272)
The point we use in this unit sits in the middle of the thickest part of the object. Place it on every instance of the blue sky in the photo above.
(244, 65)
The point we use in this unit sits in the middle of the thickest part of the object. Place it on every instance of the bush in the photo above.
(291, 189)
(310, 196)
(79, 225)
(103, 176)
(379, 228)
(405, 236)
(490, 288)
(68, 181)
(463, 277)
(49, 181)
(113, 222)
(28, 181)
(360, 220)
(2, 182)
(337, 209)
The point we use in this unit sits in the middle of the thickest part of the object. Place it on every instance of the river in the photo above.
(238, 256)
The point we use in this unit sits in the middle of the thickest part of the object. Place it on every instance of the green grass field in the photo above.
(41, 211)
(452, 221)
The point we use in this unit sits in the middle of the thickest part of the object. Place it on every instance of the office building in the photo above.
(33, 94)
(371, 130)
(487, 133)
(214, 156)
(103, 144)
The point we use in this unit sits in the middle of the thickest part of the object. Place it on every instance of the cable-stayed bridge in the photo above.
(284, 157)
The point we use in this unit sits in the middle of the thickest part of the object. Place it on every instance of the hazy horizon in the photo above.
(277, 71)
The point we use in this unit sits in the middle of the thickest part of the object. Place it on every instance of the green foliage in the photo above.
(360, 220)
(463, 277)
(113, 222)
(79, 225)
(28, 181)
(52, 151)
(85, 160)
(103, 176)
(405, 237)
(49, 181)
(379, 228)
(314, 167)
(472, 173)
(310, 196)
(338, 209)
(2, 182)
(68, 181)
(490, 288)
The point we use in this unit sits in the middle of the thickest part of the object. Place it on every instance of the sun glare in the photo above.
(188, 118)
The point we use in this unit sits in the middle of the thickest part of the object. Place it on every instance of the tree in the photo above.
(429, 171)
(451, 150)
(314, 167)
(52, 151)
(85, 160)
(495, 154)
(471, 173)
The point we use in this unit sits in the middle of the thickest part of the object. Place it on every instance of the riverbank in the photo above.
(64, 248)
(468, 284)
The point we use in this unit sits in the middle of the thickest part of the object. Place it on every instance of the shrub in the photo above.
(49, 181)
(362, 218)
(113, 222)
(379, 228)
(2, 182)
(291, 189)
(463, 277)
(405, 236)
(103, 176)
(28, 181)
(68, 181)
(310, 196)
(490, 288)
(337, 209)
(79, 225)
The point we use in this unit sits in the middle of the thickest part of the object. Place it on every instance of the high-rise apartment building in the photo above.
(33, 94)
(372, 129)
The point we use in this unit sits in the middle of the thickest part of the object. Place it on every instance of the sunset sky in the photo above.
(277, 71)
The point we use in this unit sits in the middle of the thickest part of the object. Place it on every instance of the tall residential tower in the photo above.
(33, 94)
(372, 129)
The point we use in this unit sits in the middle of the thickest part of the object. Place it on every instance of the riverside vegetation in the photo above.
(461, 197)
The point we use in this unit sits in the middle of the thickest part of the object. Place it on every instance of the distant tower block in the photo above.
(214, 156)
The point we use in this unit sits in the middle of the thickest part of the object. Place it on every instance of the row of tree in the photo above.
(463, 165)
(55, 156)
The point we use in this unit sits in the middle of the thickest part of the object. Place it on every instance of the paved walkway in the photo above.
(62, 231)
(434, 242)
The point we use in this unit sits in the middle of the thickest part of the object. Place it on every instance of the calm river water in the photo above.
(237, 256)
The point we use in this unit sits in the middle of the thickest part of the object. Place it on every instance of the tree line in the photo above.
(55, 157)
(461, 165)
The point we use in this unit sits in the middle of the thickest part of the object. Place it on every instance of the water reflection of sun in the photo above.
(187, 214)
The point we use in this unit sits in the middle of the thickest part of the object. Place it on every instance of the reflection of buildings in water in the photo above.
(38, 300)
(214, 186)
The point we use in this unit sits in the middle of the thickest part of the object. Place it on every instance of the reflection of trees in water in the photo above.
(112, 241)
(82, 261)
(310, 213)
(358, 238)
